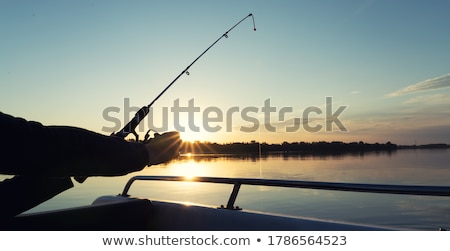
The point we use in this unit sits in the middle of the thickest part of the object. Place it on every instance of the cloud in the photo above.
(427, 85)
(435, 99)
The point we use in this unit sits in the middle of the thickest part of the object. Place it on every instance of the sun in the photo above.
(194, 136)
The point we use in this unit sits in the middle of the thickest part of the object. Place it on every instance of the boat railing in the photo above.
(336, 186)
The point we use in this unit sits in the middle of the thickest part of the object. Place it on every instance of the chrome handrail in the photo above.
(336, 186)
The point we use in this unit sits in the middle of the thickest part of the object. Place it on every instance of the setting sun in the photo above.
(194, 136)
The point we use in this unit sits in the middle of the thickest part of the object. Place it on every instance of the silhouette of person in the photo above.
(43, 158)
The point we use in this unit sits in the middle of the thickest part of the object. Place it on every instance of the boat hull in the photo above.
(113, 213)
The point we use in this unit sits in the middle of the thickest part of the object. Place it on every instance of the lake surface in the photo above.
(405, 167)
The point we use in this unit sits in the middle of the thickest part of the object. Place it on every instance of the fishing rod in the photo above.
(141, 113)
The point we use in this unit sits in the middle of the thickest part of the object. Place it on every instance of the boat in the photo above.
(125, 212)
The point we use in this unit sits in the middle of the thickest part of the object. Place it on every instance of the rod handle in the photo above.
(134, 122)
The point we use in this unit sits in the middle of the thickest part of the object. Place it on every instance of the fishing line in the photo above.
(260, 154)
(140, 115)
(253, 18)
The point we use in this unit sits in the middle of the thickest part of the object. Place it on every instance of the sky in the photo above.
(372, 71)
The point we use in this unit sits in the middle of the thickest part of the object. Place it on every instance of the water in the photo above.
(405, 167)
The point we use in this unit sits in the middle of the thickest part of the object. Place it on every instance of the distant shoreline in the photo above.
(426, 146)
(321, 147)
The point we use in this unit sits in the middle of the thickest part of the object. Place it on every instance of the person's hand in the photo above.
(163, 148)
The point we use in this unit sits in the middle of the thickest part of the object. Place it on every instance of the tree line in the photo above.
(253, 147)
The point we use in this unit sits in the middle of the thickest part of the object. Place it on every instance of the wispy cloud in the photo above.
(436, 99)
(427, 85)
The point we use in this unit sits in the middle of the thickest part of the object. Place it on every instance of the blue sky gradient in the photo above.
(65, 62)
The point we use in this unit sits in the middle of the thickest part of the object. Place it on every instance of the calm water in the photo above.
(408, 167)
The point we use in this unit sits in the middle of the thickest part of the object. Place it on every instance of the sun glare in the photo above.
(193, 136)
(189, 177)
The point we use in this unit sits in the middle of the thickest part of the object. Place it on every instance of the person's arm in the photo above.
(33, 149)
